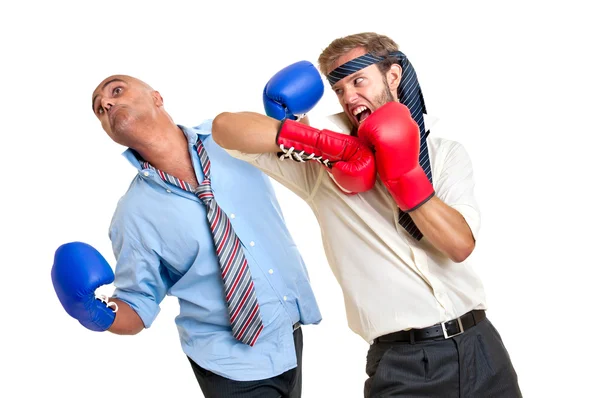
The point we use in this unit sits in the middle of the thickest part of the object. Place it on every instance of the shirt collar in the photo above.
(202, 131)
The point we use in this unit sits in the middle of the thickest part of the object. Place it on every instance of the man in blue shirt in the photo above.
(165, 245)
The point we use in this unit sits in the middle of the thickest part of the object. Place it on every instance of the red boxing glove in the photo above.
(348, 158)
(337, 184)
(396, 139)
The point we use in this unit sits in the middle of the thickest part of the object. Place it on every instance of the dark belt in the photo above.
(440, 331)
(295, 326)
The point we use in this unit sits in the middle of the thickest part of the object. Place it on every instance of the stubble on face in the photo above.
(380, 99)
(384, 96)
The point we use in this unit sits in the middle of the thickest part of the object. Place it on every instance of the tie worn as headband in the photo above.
(352, 66)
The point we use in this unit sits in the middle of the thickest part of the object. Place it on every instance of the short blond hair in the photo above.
(372, 43)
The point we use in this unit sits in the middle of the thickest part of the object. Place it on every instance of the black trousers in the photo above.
(286, 385)
(473, 364)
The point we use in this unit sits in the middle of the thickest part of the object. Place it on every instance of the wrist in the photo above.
(301, 142)
(410, 190)
(293, 134)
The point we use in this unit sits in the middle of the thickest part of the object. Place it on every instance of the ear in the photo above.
(393, 77)
(157, 98)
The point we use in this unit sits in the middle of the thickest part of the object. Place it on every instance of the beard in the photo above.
(384, 97)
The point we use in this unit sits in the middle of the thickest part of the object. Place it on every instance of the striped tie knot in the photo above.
(205, 192)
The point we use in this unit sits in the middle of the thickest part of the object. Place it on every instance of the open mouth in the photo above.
(361, 113)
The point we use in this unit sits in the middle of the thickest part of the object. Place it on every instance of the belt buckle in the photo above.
(460, 327)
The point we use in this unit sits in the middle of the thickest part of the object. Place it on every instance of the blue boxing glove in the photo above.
(293, 91)
(77, 272)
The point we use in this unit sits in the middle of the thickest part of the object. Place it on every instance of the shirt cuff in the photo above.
(247, 157)
(145, 307)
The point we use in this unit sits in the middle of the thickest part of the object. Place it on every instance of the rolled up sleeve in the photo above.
(456, 186)
(140, 279)
(302, 178)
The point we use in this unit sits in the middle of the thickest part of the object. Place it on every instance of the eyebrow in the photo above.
(103, 87)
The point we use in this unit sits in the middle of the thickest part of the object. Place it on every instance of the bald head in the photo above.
(128, 109)
(129, 80)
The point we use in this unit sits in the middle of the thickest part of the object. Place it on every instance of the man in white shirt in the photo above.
(399, 244)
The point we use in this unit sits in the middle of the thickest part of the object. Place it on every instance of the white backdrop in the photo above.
(516, 83)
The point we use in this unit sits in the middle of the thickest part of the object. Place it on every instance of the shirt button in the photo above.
(232, 215)
(146, 174)
(252, 243)
(284, 298)
(271, 271)
(168, 191)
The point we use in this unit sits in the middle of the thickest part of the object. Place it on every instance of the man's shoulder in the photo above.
(445, 152)
(131, 199)
(442, 145)
(441, 141)
(337, 122)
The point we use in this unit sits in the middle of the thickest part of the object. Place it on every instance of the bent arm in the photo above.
(246, 132)
(127, 321)
(450, 220)
(445, 228)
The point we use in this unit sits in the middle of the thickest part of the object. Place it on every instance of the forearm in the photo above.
(127, 321)
(247, 132)
(445, 228)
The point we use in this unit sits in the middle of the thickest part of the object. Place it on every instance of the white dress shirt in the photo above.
(390, 281)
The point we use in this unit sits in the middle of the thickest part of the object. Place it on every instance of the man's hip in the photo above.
(453, 363)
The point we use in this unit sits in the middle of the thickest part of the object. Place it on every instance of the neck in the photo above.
(167, 149)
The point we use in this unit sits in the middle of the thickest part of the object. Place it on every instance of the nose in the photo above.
(349, 95)
(106, 104)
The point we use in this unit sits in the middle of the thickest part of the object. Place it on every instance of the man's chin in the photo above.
(119, 130)
(119, 121)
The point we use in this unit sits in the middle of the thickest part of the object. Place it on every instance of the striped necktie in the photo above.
(242, 305)
(409, 94)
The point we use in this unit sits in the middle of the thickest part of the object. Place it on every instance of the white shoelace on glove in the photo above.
(110, 304)
(289, 153)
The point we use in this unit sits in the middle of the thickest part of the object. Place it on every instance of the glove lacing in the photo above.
(301, 156)
(109, 304)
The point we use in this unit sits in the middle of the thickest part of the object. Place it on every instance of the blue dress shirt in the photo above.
(164, 246)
